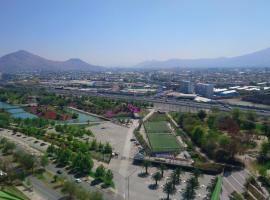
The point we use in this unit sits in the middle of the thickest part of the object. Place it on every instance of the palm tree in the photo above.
(162, 168)
(146, 164)
(169, 189)
(192, 185)
(156, 177)
(178, 172)
(173, 178)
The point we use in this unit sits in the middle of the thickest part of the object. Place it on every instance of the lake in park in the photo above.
(83, 117)
(16, 111)
(19, 112)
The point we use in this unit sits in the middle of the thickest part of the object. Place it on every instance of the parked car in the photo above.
(77, 180)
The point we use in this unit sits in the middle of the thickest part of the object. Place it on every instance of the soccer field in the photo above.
(163, 142)
(157, 127)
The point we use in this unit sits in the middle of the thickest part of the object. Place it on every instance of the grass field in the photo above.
(156, 117)
(163, 142)
(160, 135)
(157, 127)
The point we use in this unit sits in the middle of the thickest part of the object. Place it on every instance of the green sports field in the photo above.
(160, 135)
(163, 142)
(156, 117)
(157, 127)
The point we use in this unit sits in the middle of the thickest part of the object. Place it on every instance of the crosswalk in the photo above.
(233, 181)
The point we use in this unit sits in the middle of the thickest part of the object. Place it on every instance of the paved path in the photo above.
(45, 192)
(126, 151)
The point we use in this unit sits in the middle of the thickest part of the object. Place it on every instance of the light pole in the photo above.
(127, 178)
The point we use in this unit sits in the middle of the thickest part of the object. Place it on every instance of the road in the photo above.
(44, 191)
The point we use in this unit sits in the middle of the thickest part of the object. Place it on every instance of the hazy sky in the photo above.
(126, 32)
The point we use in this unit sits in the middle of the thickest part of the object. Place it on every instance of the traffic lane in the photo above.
(44, 190)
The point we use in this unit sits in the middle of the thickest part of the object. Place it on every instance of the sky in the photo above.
(127, 32)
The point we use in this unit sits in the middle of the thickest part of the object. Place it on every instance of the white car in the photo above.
(77, 180)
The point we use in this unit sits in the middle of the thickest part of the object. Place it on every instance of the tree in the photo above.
(248, 125)
(95, 196)
(265, 128)
(44, 161)
(93, 145)
(69, 188)
(198, 135)
(192, 184)
(236, 196)
(156, 177)
(8, 147)
(162, 168)
(108, 177)
(202, 114)
(169, 189)
(210, 188)
(178, 172)
(107, 148)
(236, 113)
(251, 116)
(83, 163)
(173, 178)
(100, 172)
(146, 164)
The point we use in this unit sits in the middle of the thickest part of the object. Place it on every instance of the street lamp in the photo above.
(127, 178)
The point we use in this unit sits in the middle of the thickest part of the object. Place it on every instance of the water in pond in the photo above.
(82, 117)
(16, 111)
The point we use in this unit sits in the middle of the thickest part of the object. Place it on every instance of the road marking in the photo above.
(244, 178)
(241, 185)
(230, 184)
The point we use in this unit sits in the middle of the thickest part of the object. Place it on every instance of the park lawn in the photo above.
(156, 117)
(157, 127)
(163, 142)
(12, 193)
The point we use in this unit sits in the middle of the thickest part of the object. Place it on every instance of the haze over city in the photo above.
(125, 33)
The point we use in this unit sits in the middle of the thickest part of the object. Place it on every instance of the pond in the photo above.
(16, 111)
(83, 117)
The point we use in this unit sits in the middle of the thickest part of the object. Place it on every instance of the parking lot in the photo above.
(31, 144)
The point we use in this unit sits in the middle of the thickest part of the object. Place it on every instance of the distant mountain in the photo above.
(256, 59)
(21, 61)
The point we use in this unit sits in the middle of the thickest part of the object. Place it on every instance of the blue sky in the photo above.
(125, 32)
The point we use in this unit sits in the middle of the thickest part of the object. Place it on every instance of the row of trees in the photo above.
(174, 180)
(74, 130)
(81, 162)
(103, 175)
(74, 191)
(17, 163)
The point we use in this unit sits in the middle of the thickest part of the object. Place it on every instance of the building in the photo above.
(205, 90)
(178, 95)
(186, 87)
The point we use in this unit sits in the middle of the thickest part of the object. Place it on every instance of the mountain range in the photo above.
(256, 59)
(21, 61)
